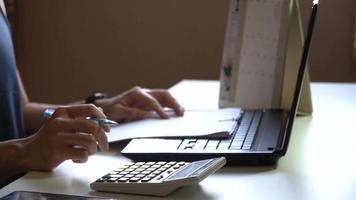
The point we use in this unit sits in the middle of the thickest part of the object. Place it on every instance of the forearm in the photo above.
(12, 159)
(33, 112)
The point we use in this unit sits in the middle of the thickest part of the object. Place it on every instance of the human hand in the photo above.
(138, 103)
(66, 135)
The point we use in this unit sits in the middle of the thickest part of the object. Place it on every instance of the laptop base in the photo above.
(232, 159)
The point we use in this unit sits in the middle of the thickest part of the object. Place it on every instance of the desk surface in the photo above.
(320, 162)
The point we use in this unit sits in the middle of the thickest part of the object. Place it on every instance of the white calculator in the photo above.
(156, 178)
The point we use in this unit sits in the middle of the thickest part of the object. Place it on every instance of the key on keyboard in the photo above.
(242, 137)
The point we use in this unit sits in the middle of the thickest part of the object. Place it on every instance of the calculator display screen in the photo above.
(193, 169)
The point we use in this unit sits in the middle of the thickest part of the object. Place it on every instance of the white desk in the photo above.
(320, 162)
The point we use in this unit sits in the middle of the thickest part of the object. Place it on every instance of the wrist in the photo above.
(92, 99)
(104, 104)
(15, 160)
(24, 156)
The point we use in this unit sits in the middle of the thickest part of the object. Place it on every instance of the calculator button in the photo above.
(145, 179)
(107, 176)
(134, 179)
(116, 176)
(123, 179)
(151, 168)
(163, 168)
(111, 179)
(151, 176)
(161, 163)
(167, 165)
(119, 169)
(176, 166)
(159, 177)
(150, 163)
(157, 172)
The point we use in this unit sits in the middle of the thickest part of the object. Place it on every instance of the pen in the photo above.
(101, 121)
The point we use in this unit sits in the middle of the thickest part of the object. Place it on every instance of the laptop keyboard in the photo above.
(242, 138)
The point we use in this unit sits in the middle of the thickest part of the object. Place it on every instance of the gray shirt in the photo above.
(11, 115)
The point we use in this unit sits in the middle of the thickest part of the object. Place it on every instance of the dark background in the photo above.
(68, 49)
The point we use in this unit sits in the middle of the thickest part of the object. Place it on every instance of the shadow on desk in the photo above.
(246, 169)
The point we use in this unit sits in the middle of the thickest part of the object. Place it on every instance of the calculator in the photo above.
(156, 178)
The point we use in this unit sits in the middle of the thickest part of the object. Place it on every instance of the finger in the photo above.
(74, 125)
(88, 125)
(134, 113)
(59, 124)
(79, 111)
(86, 141)
(101, 109)
(78, 155)
(106, 128)
(124, 113)
(95, 129)
(102, 140)
(80, 125)
(167, 100)
(153, 104)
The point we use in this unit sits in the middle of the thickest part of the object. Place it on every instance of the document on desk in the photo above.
(195, 123)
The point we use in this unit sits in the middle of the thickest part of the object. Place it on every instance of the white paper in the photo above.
(207, 124)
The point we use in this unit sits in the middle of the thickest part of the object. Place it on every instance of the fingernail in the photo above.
(104, 147)
(107, 128)
(107, 147)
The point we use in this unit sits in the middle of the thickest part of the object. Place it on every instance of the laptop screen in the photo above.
(300, 77)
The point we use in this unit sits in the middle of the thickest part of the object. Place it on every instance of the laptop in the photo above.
(261, 137)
